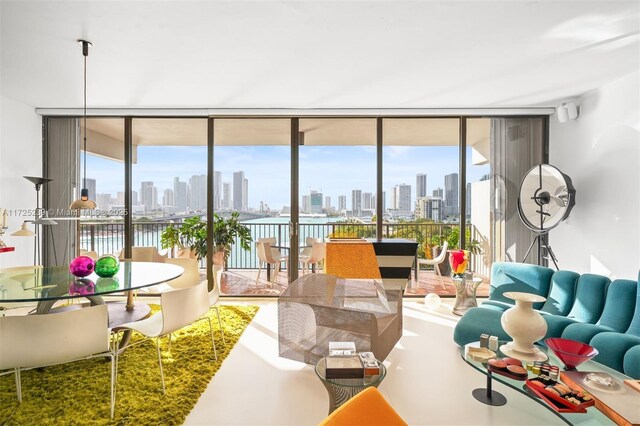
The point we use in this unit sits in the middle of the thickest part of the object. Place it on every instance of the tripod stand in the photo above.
(541, 240)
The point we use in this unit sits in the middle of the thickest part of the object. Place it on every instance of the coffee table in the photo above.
(491, 397)
(341, 390)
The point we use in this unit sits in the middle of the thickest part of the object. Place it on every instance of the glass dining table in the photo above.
(48, 285)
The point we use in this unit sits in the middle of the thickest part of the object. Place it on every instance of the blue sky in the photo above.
(335, 170)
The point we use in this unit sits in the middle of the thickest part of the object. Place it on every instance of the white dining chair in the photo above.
(316, 256)
(214, 295)
(33, 341)
(435, 262)
(189, 278)
(179, 308)
(267, 257)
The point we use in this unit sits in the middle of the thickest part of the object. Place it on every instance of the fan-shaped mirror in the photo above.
(546, 197)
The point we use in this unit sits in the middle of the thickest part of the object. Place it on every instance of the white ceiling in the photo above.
(313, 54)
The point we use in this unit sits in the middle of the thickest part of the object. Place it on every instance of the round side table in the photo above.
(341, 390)
(465, 294)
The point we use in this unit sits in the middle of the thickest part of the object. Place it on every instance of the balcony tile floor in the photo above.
(242, 282)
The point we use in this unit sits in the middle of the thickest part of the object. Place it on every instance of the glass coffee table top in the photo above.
(366, 381)
(592, 417)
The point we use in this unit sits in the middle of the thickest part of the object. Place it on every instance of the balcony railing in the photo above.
(104, 237)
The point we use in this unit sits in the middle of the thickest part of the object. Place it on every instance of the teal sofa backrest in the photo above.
(634, 327)
(590, 297)
(519, 277)
(619, 307)
(562, 293)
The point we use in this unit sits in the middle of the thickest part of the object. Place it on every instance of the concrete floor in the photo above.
(427, 381)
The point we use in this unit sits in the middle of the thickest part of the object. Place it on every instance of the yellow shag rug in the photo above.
(78, 393)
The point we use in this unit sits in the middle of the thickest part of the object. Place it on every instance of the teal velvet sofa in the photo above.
(588, 307)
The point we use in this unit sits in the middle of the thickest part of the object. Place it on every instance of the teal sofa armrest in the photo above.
(612, 348)
(631, 362)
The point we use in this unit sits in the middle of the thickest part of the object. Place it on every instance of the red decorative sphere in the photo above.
(82, 266)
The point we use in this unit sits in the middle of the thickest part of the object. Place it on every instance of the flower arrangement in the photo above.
(459, 260)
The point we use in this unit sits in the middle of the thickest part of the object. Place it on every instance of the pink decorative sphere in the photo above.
(82, 266)
(82, 286)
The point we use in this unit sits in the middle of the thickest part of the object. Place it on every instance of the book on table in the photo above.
(343, 367)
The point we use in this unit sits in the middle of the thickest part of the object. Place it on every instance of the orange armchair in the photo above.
(368, 408)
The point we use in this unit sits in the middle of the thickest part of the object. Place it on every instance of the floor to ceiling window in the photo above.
(169, 179)
(425, 196)
(102, 230)
(252, 177)
(421, 181)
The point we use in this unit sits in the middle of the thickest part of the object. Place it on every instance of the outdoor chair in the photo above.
(435, 262)
(266, 256)
(316, 256)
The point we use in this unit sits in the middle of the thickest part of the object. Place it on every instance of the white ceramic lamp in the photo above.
(525, 326)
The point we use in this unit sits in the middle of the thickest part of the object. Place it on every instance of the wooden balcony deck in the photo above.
(242, 282)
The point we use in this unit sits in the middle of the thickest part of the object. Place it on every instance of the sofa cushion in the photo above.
(496, 306)
(612, 348)
(619, 305)
(556, 325)
(631, 362)
(584, 332)
(477, 321)
(562, 292)
(590, 297)
(634, 327)
(519, 277)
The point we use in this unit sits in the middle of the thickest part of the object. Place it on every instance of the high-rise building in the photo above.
(239, 188)
(384, 201)
(305, 206)
(402, 198)
(421, 185)
(167, 198)
(104, 201)
(198, 193)
(217, 190)
(148, 196)
(179, 195)
(356, 202)
(135, 200)
(438, 193)
(430, 208)
(367, 201)
(451, 194)
(316, 202)
(327, 202)
(342, 202)
(245, 194)
(120, 198)
(90, 184)
(226, 195)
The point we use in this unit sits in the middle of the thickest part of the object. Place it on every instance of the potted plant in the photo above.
(225, 233)
(192, 235)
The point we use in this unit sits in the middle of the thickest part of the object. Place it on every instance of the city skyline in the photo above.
(333, 171)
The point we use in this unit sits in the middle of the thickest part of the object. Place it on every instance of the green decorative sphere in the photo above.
(107, 284)
(107, 266)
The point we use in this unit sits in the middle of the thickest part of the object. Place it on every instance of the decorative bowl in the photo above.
(571, 352)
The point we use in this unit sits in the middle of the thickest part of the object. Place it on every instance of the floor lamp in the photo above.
(39, 219)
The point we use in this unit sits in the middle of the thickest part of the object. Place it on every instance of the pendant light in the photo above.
(84, 202)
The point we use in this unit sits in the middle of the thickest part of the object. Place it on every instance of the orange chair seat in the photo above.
(368, 408)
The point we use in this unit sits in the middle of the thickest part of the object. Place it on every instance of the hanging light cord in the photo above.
(85, 52)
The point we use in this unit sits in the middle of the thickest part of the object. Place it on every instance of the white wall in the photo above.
(600, 151)
(20, 155)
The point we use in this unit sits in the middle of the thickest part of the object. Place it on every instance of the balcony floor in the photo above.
(242, 282)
